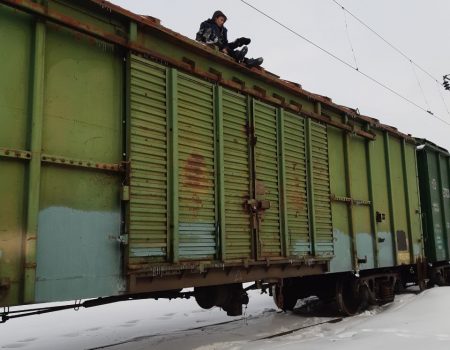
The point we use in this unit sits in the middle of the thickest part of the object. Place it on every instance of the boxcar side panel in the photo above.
(341, 229)
(361, 211)
(148, 155)
(237, 180)
(197, 171)
(79, 219)
(16, 36)
(398, 196)
(296, 184)
(414, 199)
(381, 202)
(267, 179)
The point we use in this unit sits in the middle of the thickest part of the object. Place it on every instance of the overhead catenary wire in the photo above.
(346, 63)
(349, 39)
(420, 87)
(387, 42)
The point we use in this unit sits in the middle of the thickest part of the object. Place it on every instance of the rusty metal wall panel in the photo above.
(148, 158)
(267, 179)
(296, 184)
(321, 180)
(237, 176)
(196, 147)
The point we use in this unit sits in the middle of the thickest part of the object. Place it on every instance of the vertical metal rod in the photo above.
(348, 185)
(373, 221)
(282, 183)
(441, 199)
(34, 174)
(252, 170)
(390, 195)
(408, 203)
(419, 212)
(126, 149)
(310, 186)
(172, 98)
(220, 172)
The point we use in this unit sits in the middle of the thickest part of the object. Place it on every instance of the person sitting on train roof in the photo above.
(213, 32)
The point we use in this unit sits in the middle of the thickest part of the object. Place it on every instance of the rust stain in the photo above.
(194, 180)
(194, 171)
(296, 199)
(260, 188)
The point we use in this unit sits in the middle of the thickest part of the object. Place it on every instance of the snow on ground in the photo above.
(413, 321)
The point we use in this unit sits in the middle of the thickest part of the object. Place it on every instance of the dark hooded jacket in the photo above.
(211, 33)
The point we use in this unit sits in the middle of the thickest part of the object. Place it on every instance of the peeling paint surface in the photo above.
(76, 254)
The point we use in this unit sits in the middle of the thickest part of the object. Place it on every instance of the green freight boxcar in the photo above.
(135, 162)
(434, 168)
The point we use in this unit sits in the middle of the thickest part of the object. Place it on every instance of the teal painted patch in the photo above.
(364, 244)
(342, 248)
(77, 255)
(385, 249)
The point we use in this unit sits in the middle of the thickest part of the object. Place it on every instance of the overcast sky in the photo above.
(418, 28)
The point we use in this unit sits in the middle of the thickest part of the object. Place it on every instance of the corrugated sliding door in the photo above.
(296, 184)
(267, 179)
(196, 150)
(321, 185)
(237, 176)
(148, 161)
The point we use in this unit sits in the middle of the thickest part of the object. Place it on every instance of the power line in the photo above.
(349, 39)
(387, 42)
(346, 63)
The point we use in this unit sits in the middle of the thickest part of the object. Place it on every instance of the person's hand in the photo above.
(225, 50)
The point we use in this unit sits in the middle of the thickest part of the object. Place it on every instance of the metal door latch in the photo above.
(255, 205)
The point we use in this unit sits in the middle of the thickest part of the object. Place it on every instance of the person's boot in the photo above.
(242, 41)
(240, 55)
(253, 62)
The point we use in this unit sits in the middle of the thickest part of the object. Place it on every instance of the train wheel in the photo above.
(351, 296)
(284, 298)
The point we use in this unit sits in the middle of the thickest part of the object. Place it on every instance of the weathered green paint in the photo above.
(323, 226)
(310, 188)
(237, 153)
(390, 194)
(267, 179)
(442, 176)
(34, 171)
(282, 177)
(343, 259)
(435, 200)
(360, 193)
(172, 120)
(172, 97)
(148, 220)
(133, 32)
(220, 177)
(294, 142)
(198, 228)
(348, 185)
(373, 223)
(407, 201)
(17, 35)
